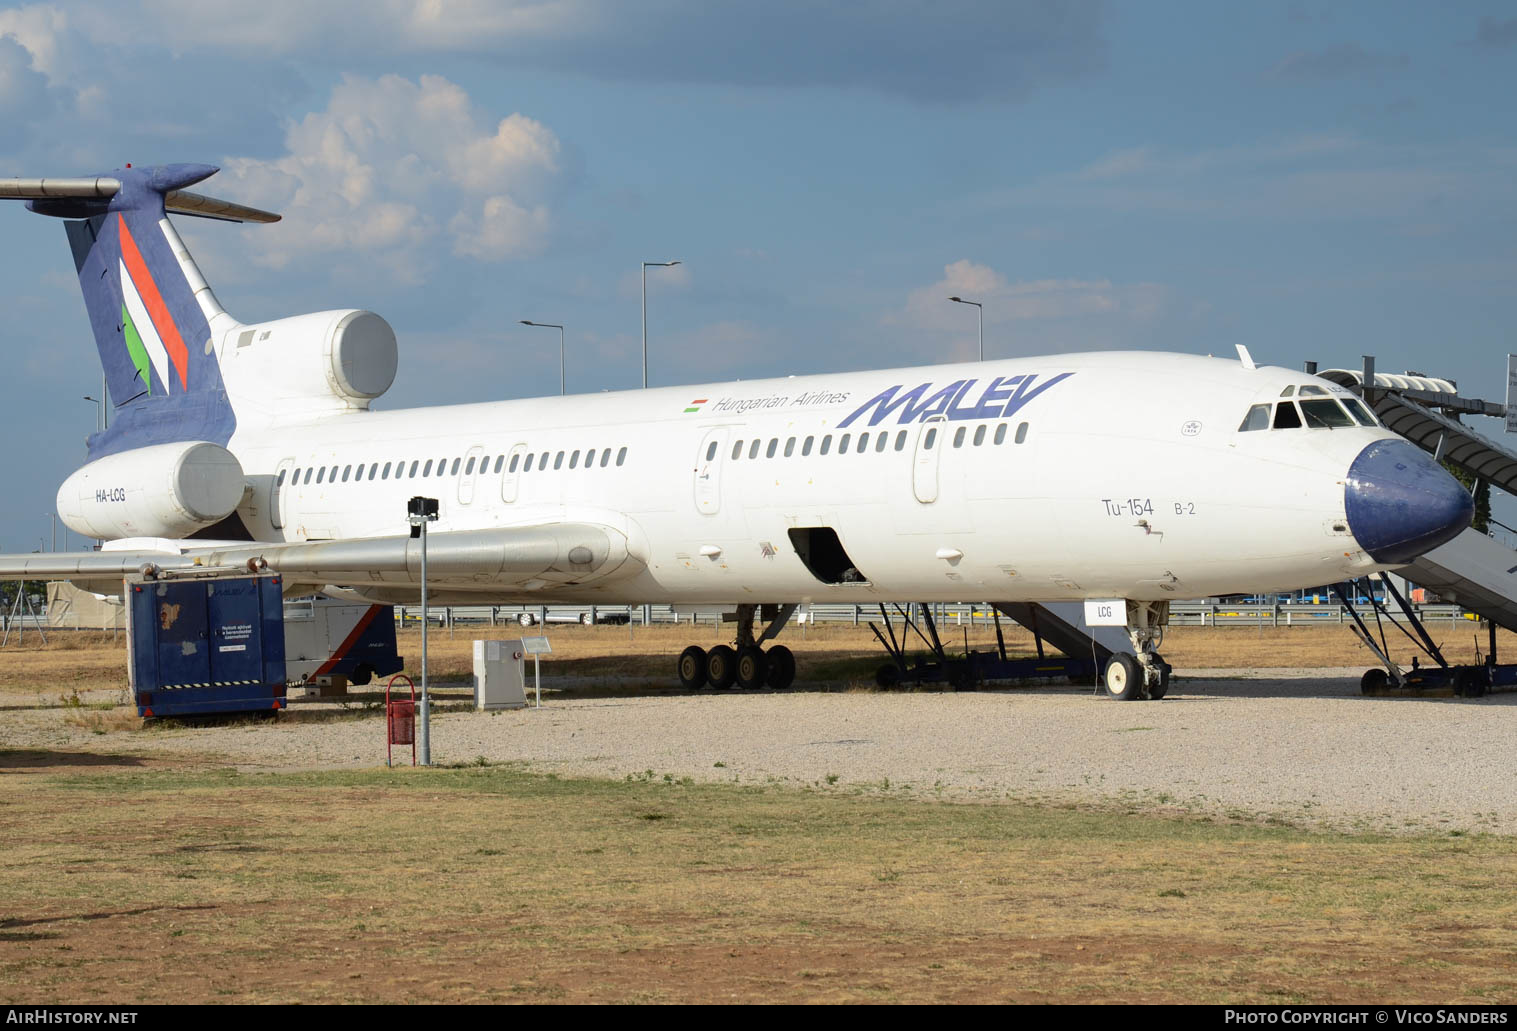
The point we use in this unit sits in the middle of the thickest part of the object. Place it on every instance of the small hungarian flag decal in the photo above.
(695, 406)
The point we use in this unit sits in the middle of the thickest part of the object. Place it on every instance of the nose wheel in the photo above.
(1132, 677)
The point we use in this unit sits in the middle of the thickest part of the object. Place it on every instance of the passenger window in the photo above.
(308, 477)
(469, 469)
(1286, 416)
(515, 461)
(574, 459)
(711, 451)
(806, 447)
(542, 461)
(321, 474)
(1324, 413)
(900, 441)
(414, 463)
(332, 476)
(621, 456)
(500, 460)
(454, 471)
(558, 460)
(605, 457)
(863, 443)
(345, 471)
(789, 447)
(932, 436)
(737, 451)
(754, 448)
(774, 444)
(1000, 437)
(385, 473)
(528, 466)
(880, 442)
(979, 435)
(958, 437)
(373, 470)
(1256, 419)
(1021, 432)
(427, 469)
(484, 465)
(843, 443)
(826, 443)
(589, 458)
(280, 481)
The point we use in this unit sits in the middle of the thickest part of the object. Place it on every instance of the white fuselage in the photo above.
(1128, 477)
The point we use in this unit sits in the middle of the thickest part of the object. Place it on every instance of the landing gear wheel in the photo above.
(692, 668)
(721, 667)
(781, 667)
(752, 667)
(1159, 690)
(1123, 678)
(887, 676)
(526, 619)
(361, 676)
(1374, 681)
(1469, 684)
(586, 619)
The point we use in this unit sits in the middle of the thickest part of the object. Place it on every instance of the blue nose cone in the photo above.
(1401, 503)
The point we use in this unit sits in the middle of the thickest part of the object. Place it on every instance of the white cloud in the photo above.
(1044, 300)
(391, 164)
(37, 28)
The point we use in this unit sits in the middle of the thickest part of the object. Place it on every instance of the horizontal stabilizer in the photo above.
(103, 188)
(183, 202)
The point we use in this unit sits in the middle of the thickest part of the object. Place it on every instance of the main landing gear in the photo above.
(1130, 677)
(745, 663)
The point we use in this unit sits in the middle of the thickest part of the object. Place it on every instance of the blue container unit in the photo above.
(207, 646)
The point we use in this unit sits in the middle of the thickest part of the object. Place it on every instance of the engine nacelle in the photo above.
(167, 490)
(327, 360)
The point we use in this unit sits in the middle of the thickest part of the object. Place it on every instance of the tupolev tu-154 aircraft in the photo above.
(1135, 477)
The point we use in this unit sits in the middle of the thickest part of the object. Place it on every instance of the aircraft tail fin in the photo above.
(154, 318)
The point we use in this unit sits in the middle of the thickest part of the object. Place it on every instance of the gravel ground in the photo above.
(1300, 746)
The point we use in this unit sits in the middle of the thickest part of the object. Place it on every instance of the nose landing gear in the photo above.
(1130, 677)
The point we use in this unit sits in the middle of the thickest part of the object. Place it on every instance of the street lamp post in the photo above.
(655, 264)
(99, 409)
(981, 309)
(419, 513)
(551, 325)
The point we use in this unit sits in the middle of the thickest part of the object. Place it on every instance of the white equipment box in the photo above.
(499, 679)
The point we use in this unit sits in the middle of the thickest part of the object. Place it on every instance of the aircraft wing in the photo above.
(518, 558)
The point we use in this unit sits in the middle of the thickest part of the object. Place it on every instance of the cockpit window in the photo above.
(1256, 419)
(1310, 391)
(1286, 416)
(1288, 392)
(1325, 412)
(1358, 411)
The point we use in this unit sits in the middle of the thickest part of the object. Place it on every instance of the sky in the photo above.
(1316, 181)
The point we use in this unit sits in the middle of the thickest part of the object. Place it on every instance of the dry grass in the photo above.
(92, 665)
(488, 885)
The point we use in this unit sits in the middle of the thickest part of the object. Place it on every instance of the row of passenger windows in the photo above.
(860, 444)
(1320, 412)
(420, 468)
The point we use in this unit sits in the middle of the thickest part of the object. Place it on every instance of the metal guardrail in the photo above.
(1192, 613)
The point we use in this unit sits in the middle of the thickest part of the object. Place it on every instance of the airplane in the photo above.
(1128, 476)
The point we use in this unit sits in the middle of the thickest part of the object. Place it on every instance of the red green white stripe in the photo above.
(152, 338)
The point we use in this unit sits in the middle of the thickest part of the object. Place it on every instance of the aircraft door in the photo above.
(510, 480)
(925, 459)
(277, 493)
(708, 471)
(467, 474)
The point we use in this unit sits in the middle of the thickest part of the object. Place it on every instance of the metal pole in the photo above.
(562, 376)
(980, 308)
(426, 728)
(645, 325)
